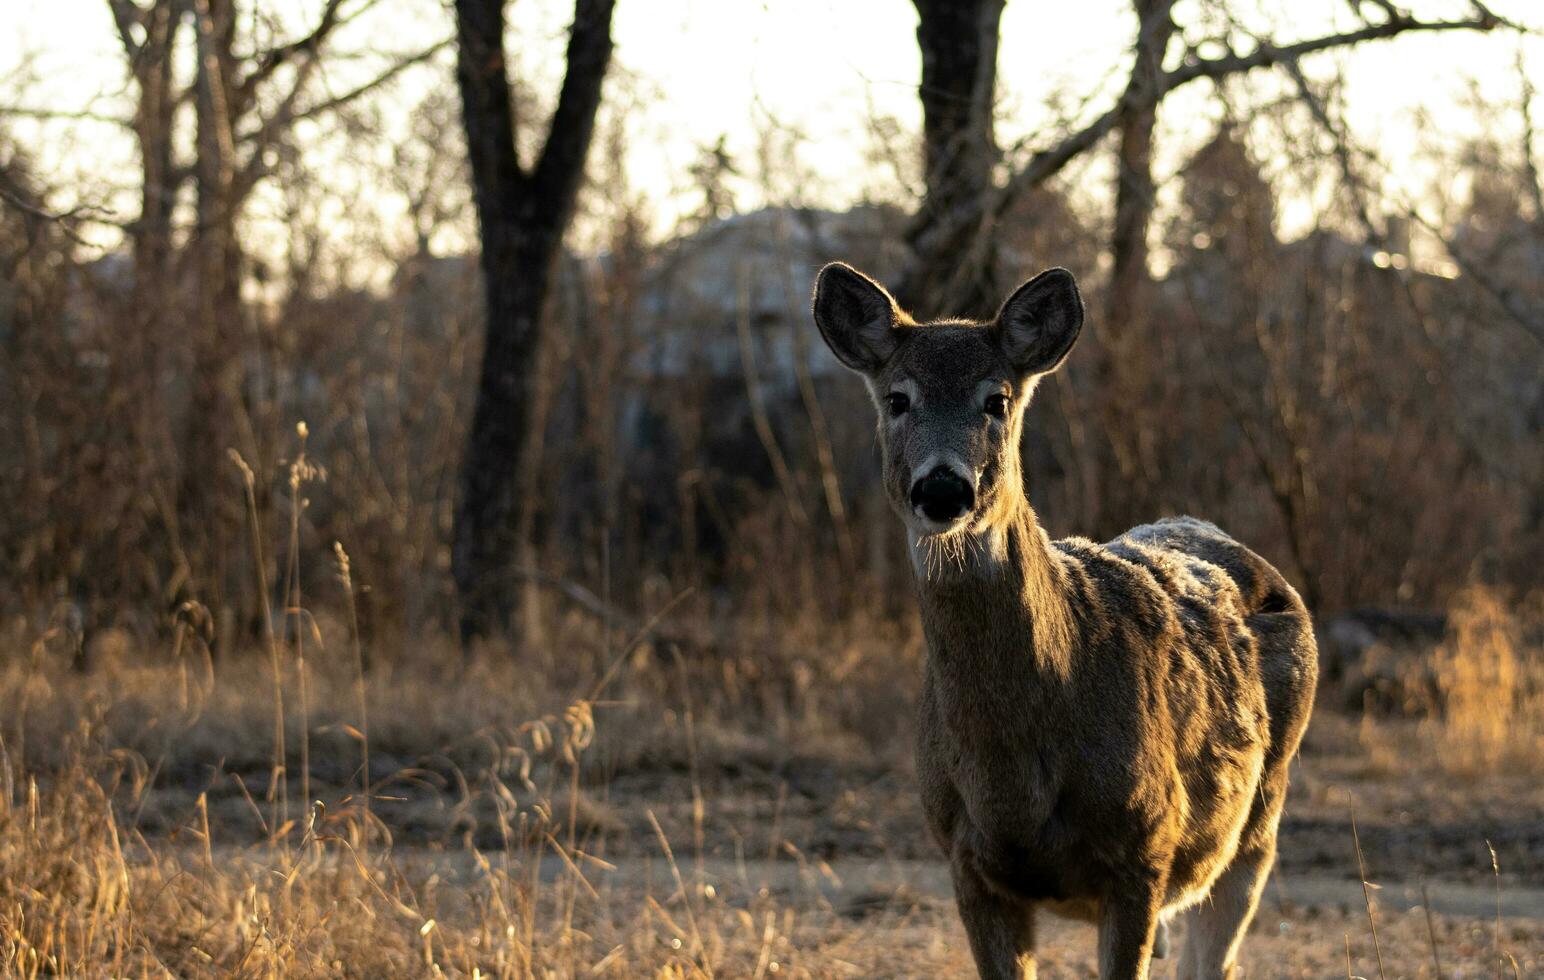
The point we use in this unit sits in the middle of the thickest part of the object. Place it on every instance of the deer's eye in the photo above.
(898, 403)
(997, 406)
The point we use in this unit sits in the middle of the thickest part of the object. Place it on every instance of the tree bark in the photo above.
(954, 254)
(148, 35)
(522, 214)
(210, 515)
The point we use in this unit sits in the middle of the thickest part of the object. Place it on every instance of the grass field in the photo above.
(624, 809)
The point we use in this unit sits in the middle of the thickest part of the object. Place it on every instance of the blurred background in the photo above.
(1311, 251)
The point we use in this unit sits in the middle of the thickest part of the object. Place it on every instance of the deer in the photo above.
(1104, 730)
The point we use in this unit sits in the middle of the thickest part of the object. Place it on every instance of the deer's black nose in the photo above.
(942, 495)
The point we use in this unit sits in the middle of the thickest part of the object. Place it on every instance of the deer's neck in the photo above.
(994, 606)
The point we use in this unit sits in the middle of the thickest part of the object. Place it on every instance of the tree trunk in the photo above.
(521, 214)
(150, 61)
(955, 261)
(1121, 369)
(208, 510)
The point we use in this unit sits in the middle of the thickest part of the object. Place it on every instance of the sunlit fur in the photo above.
(1104, 729)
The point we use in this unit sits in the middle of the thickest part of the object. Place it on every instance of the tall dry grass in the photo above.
(1488, 676)
(84, 893)
(1472, 702)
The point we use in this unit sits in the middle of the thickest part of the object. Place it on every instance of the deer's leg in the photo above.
(1215, 928)
(1128, 928)
(1001, 929)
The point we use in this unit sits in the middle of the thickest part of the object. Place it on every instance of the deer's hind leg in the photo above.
(1001, 929)
(1215, 928)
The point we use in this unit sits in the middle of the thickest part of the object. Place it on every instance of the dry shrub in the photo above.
(1488, 676)
(81, 894)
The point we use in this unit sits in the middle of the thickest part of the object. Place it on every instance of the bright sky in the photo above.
(693, 70)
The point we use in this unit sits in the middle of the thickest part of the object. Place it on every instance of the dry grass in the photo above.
(153, 821)
(1489, 676)
(1477, 697)
(83, 894)
(144, 830)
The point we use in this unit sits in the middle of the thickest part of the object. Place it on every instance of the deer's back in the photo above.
(1239, 644)
(1223, 594)
(1214, 653)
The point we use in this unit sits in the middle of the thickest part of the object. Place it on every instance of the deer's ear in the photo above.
(1039, 323)
(856, 316)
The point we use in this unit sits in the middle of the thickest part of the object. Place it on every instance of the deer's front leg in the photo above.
(1128, 925)
(1001, 929)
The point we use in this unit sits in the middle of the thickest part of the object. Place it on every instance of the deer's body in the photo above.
(1104, 730)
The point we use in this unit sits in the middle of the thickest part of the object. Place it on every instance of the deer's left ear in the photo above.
(1039, 323)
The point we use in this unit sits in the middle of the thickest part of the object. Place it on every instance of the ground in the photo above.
(820, 867)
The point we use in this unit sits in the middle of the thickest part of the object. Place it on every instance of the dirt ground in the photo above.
(875, 918)
(838, 847)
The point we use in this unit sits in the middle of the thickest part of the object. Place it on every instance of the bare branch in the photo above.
(77, 115)
(1516, 309)
(126, 16)
(568, 136)
(212, 78)
(482, 77)
(1048, 162)
(1530, 163)
(65, 220)
(384, 78)
(1268, 55)
(1341, 142)
(276, 58)
(287, 114)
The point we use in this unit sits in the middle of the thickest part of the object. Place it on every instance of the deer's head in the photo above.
(950, 394)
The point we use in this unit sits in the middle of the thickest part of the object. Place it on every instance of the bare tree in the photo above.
(522, 212)
(963, 200)
(217, 88)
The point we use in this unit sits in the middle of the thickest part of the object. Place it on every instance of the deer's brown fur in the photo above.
(1104, 729)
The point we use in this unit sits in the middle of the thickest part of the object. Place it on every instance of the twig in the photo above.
(639, 637)
(347, 580)
(691, 916)
(1431, 932)
(277, 793)
(66, 220)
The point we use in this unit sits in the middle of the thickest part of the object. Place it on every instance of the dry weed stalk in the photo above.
(277, 794)
(1361, 868)
(345, 578)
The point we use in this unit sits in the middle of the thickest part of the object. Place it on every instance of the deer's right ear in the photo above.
(856, 316)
